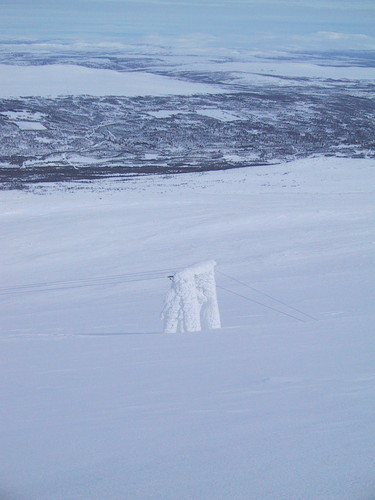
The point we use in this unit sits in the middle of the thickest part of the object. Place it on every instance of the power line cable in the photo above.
(260, 303)
(69, 287)
(266, 295)
(63, 285)
(87, 280)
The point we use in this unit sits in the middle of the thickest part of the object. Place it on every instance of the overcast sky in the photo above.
(250, 24)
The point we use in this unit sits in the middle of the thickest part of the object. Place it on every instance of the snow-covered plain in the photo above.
(70, 79)
(298, 70)
(96, 403)
(67, 79)
(30, 125)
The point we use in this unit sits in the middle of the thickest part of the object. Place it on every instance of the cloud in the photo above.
(320, 40)
(333, 35)
(233, 24)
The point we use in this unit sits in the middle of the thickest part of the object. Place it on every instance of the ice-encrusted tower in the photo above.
(191, 303)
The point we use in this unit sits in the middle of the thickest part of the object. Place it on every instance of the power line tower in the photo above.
(191, 303)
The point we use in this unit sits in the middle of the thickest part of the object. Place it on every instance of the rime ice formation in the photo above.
(191, 303)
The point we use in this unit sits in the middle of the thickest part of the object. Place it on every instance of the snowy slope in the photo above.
(96, 403)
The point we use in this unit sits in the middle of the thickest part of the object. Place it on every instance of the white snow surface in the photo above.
(23, 115)
(219, 114)
(97, 404)
(30, 125)
(25, 120)
(65, 79)
(291, 69)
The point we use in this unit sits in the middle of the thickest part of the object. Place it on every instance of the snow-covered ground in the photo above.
(25, 120)
(278, 404)
(293, 69)
(65, 79)
(70, 79)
